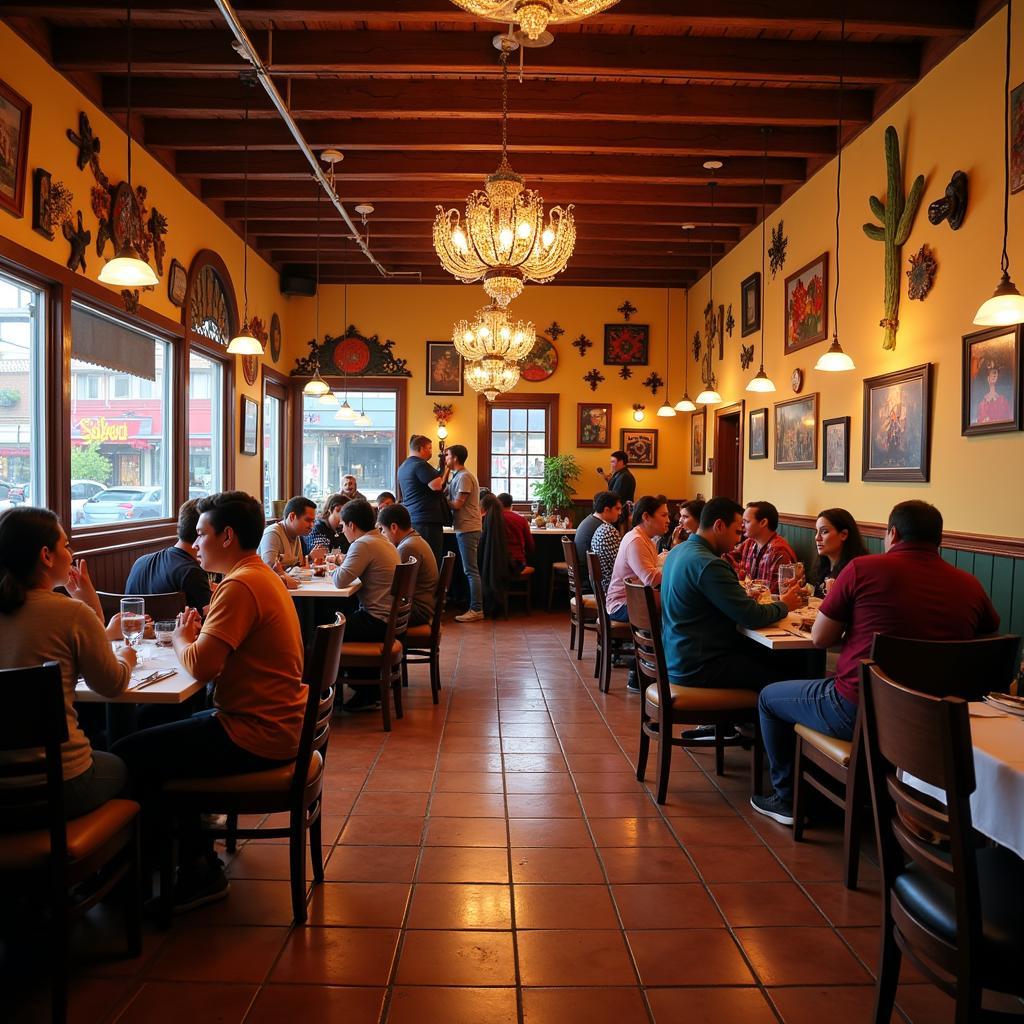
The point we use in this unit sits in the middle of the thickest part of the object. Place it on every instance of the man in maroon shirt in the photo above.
(910, 591)
(517, 534)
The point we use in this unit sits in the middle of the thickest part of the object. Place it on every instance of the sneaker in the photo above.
(470, 616)
(364, 699)
(200, 884)
(705, 734)
(632, 684)
(773, 807)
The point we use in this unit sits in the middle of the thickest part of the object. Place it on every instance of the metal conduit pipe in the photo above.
(248, 52)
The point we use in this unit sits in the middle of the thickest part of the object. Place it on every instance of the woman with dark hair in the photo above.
(495, 569)
(38, 625)
(838, 541)
(687, 524)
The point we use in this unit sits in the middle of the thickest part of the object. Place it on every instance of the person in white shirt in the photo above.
(464, 499)
(281, 546)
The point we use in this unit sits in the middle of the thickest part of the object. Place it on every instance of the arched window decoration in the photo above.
(210, 308)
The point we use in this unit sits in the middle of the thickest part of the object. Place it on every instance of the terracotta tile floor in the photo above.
(493, 860)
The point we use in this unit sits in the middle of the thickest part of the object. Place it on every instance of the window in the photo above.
(22, 380)
(205, 426)
(273, 449)
(331, 447)
(518, 445)
(122, 387)
(122, 443)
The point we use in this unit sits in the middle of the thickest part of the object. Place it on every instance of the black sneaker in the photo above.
(200, 884)
(632, 683)
(705, 734)
(364, 699)
(773, 807)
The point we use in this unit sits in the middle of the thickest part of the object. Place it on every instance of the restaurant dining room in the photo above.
(507, 511)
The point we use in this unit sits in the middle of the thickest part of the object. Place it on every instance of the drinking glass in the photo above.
(535, 507)
(164, 631)
(787, 576)
(133, 619)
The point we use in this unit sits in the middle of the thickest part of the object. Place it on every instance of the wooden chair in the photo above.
(53, 859)
(158, 606)
(666, 705)
(953, 909)
(835, 768)
(521, 586)
(558, 570)
(582, 607)
(421, 645)
(610, 634)
(295, 788)
(386, 657)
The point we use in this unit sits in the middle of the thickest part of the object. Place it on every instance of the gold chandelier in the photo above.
(492, 376)
(504, 240)
(491, 335)
(534, 16)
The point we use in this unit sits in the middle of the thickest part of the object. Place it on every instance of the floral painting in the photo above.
(807, 305)
(626, 344)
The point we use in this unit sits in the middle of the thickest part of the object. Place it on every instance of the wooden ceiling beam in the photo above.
(596, 243)
(579, 261)
(334, 236)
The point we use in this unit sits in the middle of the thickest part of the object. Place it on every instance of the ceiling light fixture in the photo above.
(503, 239)
(491, 335)
(761, 382)
(666, 409)
(345, 411)
(316, 386)
(492, 377)
(686, 404)
(534, 16)
(128, 269)
(709, 395)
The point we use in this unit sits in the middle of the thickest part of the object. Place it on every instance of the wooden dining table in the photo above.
(786, 648)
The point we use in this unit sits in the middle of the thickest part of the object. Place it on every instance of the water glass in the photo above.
(787, 576)
(133, 619)
(163, 631)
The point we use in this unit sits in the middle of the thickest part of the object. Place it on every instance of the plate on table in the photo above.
(1007, 703)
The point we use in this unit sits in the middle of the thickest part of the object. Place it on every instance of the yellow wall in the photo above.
(952, 120)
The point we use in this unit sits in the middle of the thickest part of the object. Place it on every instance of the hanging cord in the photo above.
(504, 104)
(668, 343)
(839, 174)
(245, 206)
(686, 342)
(764, 237)
(128, 122)
(1004, 262)
(318, 191)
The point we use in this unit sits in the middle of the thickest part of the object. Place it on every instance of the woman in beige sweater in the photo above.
(38, 625)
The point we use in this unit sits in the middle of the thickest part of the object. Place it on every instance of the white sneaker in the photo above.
(469, 616)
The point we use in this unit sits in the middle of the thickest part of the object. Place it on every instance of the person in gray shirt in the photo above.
(464, 499)
(281, 546)
(394, 523)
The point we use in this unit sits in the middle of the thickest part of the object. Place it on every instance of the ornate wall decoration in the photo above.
(79, 239)
(746, 356)
(130, 299)
(696, 345)
(51, 203)
(275, 337)
(582, 343)
(625, 372)
(730, 321)
(952, 206)
(88, 144)
(654, 382)
(921, 275)
(593, 378)
(777, 249)
(157, 225)
(627, 309)
(353, 355)
(555, 331)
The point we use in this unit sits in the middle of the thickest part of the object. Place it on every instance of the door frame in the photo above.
(729, 410)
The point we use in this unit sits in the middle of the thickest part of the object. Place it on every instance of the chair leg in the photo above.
(297, 868)
(719, 750)
(133, 896)
(316, 852)
(606, 667)
(385, 699)
(664, 755)
(60, 970)
(551, 589)
(405, 674)
(231, 840)
(396, 686)
(888, 975)
(435, 674)
(757, 761)
(852, 827)
(642, 753)
(579, 640)
(799, 791)
(572, 631)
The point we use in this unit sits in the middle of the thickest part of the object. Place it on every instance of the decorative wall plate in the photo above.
(275, 337)
(797, 381)
(541, 362)
(251, 369)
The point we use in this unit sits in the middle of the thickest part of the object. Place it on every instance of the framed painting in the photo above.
(626, 344)
(897, 425)
(698, 438)
(806, 306)
(750, 304)
(15, 115)
(1017, 138)
(991, 388)
(796, 433)
(250, 425)
(177, 283)
(444, 369)
(835, 450)
(641, 446)
(593, 425)
(757, 433)
(541, 361)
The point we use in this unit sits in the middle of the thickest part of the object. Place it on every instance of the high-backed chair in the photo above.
(50, 860)
(558, 570)
(666, 705)
(295, 788)
(158, 606)
(521, 586)
(834, 767)
(610, 634)
(385, 658)
(952, 908)
(421, 645)
(582, 607)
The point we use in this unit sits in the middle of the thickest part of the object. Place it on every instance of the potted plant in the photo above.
(9, 397)
(556, 489)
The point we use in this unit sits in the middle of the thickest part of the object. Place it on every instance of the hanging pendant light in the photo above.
(345, 412)
(709, 395)
(316, 386)
(534, 16)
(666, 409)
(362, 420)
(686, 404)
(243, 343)
(835, 360)
(128, 269)
(761, 382)
(1006, 306)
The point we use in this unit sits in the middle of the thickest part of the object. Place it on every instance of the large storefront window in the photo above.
(22, 458)
(332, 447)
(205, 426)
(273, 419)
(120, 428)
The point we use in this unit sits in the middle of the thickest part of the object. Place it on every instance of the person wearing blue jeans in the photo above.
(464, 498)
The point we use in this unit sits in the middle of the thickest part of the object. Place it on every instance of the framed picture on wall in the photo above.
(1017, 138)
(991, 387)
(641, 446)
(897, 425)
(444, 369)
(15, 115)
(626, 344)
(796, 433)
(758, 434)
(806, 307)
(593, 425)
(835, 449)
(750, 304)
(250, 425)
(698, 448)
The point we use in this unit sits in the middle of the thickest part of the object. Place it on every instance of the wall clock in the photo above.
(797, 381)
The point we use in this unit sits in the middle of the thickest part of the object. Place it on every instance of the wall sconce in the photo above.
(442, 413)
(638, 412)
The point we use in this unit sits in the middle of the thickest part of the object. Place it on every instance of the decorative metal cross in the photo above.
(555, 331)
(582, 343)
(593, 378)
(625, 372)
(653, 381)
(627, 309)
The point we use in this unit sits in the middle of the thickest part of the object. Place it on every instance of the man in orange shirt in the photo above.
(250, 647)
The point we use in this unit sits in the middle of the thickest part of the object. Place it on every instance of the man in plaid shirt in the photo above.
(760, 554)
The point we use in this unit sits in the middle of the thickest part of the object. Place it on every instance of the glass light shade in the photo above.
(442, 432)
(1005, 308)
(128, 270)
(835, 360)
(491, 376)
(761, 382)
(709, 396)
(316, 386)
(666, 409)
(685, 404)
(491, 335)
(362, 420)
(534, 16)
(345, 412)
(331, 399)
(244, 344)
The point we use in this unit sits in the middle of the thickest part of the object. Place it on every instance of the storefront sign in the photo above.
(97, 430)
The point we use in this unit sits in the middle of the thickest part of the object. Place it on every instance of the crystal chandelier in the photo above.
(491, 335)
(534, 16)
(492, 376)
(504, 240)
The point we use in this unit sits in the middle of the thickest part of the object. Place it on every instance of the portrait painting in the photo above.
(758, 434)
(835, 447)
(626, 344)
(15, 115)
(897, 427)
(796, 433)
(806, 307)
(698, 450)
(444, 369)
(1017, 138)
(641, 446)
(750, 304)
(250, 425)
(593, 425)
(991, 389)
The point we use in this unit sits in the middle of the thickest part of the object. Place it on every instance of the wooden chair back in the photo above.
(572, 570)
(158, 606)
(403, 588)
(444, 582)
(950, 668)
(645, 625)
(594, 568)
(320, 674)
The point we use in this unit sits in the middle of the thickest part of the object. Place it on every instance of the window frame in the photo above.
(522, 400)
(275, 385)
